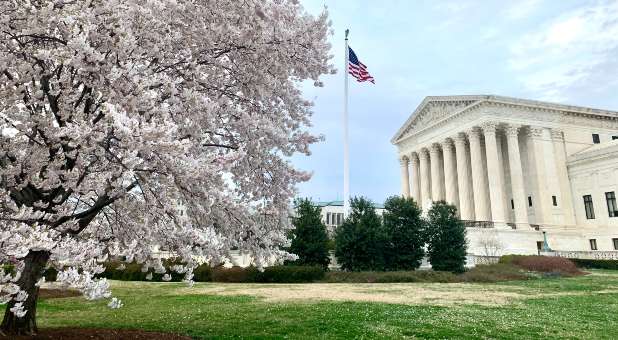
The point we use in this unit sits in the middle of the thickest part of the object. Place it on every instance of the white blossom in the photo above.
(115, 303)
(124, 128)
(18, 310)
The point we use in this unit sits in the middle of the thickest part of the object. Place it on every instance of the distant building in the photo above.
(516, 169)
(332, 213)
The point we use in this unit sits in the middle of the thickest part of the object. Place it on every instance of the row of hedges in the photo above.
(596, 264)
(274, 274)
(481, 273)
(543, 264)
(205, 273)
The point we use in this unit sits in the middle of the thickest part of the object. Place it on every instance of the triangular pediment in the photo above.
(433, 110)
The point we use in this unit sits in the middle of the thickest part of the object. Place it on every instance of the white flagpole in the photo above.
(346, 146)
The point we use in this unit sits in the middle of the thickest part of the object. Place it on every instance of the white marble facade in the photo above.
(515, 168)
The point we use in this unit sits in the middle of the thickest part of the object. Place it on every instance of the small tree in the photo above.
(309, 237)
(446, 238)
(360, 239)
(489, 242)
(405, 231)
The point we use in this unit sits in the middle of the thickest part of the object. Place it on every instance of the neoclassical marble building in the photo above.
(516, 168)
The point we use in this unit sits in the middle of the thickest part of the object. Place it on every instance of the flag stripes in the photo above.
(357, 69)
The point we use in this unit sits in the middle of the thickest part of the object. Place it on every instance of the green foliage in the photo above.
(234, 274)
(273, 274)
(309, 238)
(132, 272)
(360, 240)
(596, 264)
(404, 229)
(390, 277)
(446, 236)
(291, 274)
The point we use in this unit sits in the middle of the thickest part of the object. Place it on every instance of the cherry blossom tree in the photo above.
(133, 123)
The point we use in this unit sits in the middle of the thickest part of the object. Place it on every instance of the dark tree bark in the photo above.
(35, 263)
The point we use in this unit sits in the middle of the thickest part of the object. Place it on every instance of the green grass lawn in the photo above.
(581, 307)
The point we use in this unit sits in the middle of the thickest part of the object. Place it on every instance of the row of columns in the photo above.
(469, 172)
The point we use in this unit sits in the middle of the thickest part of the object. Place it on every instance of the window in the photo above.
(539, 246)
(589, 207)
(328, 218)
(554, 201)
(593, 244)
(339, 218)
(612, 208)
(595, 138)
(614, 137)
(529, 201)
(512, 205)
(615, 242)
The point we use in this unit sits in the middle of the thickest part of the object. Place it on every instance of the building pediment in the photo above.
(435, 109)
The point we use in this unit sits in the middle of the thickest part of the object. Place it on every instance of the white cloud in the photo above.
(575, 48)
(522, 9)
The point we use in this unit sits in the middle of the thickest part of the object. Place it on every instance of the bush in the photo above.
(446, 236)
(291, 274)
(360, 241)
(202, 273)
(543, 264)
(493, 273)
(390, 277)
(405, 234)
(596, 264)
(234, 274)
(309, 238)
(274, 274)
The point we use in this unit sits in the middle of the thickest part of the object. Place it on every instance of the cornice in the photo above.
(490, 101)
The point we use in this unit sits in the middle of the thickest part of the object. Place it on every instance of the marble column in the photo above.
(425, 177)
(466, 199)
(517, 175)
(542, 200)
(496, 185)
(405, 176)
(450, 173)
(563, 177)
(436, 180)
(416, 183)
(479, 182)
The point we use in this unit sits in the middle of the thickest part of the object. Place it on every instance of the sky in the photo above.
(563, 51)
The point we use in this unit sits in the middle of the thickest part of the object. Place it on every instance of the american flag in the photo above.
(357, 69)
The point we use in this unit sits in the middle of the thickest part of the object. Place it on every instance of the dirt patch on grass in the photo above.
(98, 334)
(399, 293)
(49, 293)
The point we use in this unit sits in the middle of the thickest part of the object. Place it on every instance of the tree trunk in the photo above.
(35, 263)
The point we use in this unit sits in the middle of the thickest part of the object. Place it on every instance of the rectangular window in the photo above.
(554, 201)
(612, 208)
(339, 216)
(539, 246)
(615, 242)
(328, 218)
(593, 244)
(589, 207)
(614, 137)
(595, 138)
(529, 201)
(512, 205)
